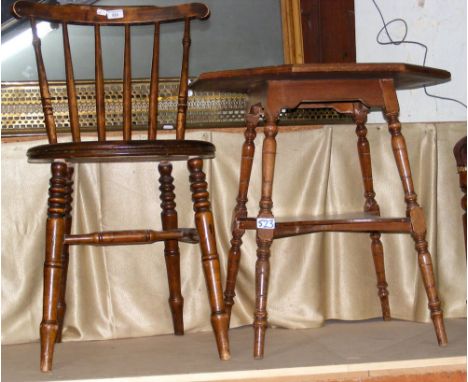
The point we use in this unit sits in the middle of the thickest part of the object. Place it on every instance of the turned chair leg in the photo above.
(240, 211)
(210, 259)
(55, 232)
(62, 306)
(171, 247)
(264, 237)
(414, 211)
(360, 118)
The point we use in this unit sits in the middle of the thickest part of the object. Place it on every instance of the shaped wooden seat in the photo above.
(167, 150)
(59, 218)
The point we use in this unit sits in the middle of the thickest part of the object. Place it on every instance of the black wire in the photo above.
(404, 41)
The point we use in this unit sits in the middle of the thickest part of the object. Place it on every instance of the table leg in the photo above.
(240, 211)
(360, 118)
(264, 236)
(414, 211)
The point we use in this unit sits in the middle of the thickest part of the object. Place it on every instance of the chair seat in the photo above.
(116, 151)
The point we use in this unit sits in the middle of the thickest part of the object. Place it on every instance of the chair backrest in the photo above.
(109, 16)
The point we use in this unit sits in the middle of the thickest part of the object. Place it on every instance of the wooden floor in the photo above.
(340, 351)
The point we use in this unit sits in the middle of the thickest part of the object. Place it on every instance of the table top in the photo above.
(406, 76)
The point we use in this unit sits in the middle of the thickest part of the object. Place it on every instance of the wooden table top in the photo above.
(406, 76)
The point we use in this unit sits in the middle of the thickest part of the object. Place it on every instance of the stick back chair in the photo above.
(63, 155)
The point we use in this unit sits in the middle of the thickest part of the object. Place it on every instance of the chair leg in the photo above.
(171, 247)
(415, 213)
(62, 306)
(55, 231)
(210, 258)
(240, 211)
(264, 237)
(360, 118)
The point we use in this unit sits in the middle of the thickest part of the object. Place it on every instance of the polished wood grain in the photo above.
(171, 247)
(87, 15)
(122, 150)
(99, 83)
(154, 88)
(71, 89)
(353, 90)
(43, 86)
(210, 258)
(127, 88)
(61, 305)
(405, 76)
(459, 152)
(328, 31)
(59, 221)
(53, 265)
(183, 85)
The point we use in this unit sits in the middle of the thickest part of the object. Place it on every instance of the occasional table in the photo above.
(350, 89)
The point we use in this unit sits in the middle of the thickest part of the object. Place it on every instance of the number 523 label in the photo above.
(266, 223)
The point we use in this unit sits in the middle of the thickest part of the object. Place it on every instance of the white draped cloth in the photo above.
(116, 292)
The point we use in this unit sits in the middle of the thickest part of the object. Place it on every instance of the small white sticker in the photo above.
(168, 127)
(115, 14)
(266, 223)
(101, 12)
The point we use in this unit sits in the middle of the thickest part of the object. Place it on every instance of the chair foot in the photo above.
(259, 339)
(210, 258)
(177, 310)
(439, 328)
(220, 322)
(48, 333)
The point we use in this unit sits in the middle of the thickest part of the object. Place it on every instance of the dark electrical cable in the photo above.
(403, 40)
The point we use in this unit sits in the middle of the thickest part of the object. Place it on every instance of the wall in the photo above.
(439, 24)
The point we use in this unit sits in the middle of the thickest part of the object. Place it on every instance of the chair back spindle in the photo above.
(126, 16)
(99, 81)
(127, 88)
(71, 90)
(154, 87)
(43, 86)
(183, 85)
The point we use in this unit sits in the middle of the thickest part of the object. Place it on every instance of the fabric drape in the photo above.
(116, 292)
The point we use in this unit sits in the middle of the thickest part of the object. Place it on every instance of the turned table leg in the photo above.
(413, 210)
(240, 211)
(360, 118)
(264, 236)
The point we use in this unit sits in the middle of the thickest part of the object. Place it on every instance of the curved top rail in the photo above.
(109, 15)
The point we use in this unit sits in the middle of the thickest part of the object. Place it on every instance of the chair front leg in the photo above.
(210, 258)
(55, 232)
(171, 247)
(62, 306)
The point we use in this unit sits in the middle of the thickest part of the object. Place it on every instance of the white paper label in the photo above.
(168, 127)
(101, 12)
(115, 14)
(266, 223)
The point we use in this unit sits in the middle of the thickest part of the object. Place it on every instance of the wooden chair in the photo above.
(63, 155)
